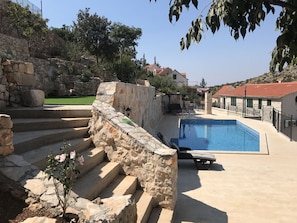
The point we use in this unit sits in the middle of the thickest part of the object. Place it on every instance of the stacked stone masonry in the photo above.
(139, 153)
(21, 73)
(15, 48)
(126, 142)
(18, 84)
(6, 135)
(145, 107)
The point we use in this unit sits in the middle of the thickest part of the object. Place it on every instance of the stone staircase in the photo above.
(37, 132)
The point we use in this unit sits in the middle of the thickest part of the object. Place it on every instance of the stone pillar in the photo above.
(208, 102)
(6, 135)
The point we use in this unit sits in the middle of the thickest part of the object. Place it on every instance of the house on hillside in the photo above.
(180, 79)
(151, 67)
(251, 99)
(162, 71)
(216, 98)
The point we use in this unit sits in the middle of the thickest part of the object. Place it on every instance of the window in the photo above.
(174, 76)
(268, 102)
(249, 103)
(259, 103)
(233, 101)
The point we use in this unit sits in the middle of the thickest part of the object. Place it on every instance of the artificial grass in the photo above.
(88, 100)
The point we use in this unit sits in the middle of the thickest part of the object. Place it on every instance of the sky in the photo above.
(218, 58)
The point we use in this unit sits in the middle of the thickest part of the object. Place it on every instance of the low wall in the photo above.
(145, 107)
(6, 135)
(138, 152)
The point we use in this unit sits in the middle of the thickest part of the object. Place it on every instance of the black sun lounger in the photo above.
(186, 153)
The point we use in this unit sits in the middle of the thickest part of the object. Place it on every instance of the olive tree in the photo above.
(93, 32)
(243, 16)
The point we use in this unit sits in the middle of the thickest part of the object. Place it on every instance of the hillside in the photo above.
(287, 75)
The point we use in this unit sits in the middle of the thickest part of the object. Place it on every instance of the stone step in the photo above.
(122, 185)
(92, 157)
(93, 182)
(144, 205)
(26, 141)
(50, 111)
(160, 215)
(22, 125)
(38, 156)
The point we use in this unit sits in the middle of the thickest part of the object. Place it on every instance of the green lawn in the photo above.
(88, 100)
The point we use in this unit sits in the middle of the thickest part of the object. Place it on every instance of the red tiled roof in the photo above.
(184, 74)
(163, 71)
(150, 65)
(223, 90)
(272, 90)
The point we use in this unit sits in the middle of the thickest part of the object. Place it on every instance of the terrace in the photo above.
(239, 187)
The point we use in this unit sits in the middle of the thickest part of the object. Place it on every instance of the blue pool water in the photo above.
(219, 135)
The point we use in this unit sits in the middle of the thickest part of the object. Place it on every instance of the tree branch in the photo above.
(282, 4)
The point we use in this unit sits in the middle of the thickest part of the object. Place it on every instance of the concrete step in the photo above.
(26, 141)
(93, 182)
(144, 205)
(22, 125)
(93, 157)
(160, 215)
(38, 131)
(38, 156)
(50, 111)
(122, 185)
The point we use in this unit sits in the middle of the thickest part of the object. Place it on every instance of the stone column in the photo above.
(6, 135)
(208, 102)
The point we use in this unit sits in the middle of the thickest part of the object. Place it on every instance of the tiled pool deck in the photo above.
(257, 188)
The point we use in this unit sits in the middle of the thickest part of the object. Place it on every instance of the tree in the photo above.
(26, 24)
(203, 83)
(66, 33)
(92, 31)
(163, 83)
(128, 70)
(125, 38)
(243, 16)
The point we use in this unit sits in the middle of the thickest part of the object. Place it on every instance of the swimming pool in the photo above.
(217, 135)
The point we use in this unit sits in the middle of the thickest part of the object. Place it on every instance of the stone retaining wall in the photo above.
(146, 108)
(6, 135)
(138, 152)
(18, 78)
(13, 47)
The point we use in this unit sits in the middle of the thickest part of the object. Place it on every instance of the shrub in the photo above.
(63, 168)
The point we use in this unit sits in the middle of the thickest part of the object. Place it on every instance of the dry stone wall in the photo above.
(6, 135)
(18, 82)
(139, 153)
(139, 102)
(14, 48)
(21, 73)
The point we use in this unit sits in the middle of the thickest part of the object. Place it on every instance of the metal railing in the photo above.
(285, 124)
(33, 8)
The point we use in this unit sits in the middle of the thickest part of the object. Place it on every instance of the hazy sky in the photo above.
(217, 58)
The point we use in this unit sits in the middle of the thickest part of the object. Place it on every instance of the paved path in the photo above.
(240, 188)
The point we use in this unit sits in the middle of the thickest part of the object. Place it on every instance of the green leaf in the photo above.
(182, 44)
(243, 31)
(195, 3)
(236, 35)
